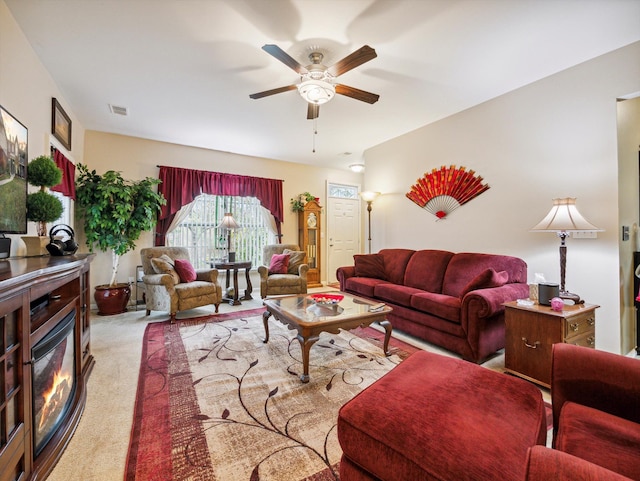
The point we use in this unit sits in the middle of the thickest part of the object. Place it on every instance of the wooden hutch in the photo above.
(44, 323)
(309, 235)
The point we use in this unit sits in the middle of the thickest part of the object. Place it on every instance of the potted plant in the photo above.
(42, 207)
(115, 212)
(298, 203)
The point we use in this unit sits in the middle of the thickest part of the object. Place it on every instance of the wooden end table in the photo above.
(235, 267)
(531, 332)
(301, 313)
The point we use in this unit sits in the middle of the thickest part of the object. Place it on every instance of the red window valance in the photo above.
(67, 185)
(181, 186)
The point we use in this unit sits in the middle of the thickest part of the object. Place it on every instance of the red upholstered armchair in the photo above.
(596, 411)
(544, 464)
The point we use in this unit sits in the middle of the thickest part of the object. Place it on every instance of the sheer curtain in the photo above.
(181, 215)
(270, 222)
(181, 186)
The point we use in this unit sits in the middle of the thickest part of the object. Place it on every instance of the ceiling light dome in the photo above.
(316, 91)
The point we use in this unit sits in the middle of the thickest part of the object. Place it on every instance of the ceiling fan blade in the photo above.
(279, 90)
(313, 111)
(284, 57)
(357, 94)
(353, 60)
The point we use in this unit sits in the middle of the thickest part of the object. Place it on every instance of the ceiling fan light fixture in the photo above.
(316, 91)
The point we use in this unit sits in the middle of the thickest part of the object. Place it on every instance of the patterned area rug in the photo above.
(215, 402)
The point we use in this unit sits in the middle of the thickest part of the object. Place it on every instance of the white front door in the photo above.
(343, 227)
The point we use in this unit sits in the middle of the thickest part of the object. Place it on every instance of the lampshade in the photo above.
(369, 196)
(564, 217)
(316, 91)
(228, 222)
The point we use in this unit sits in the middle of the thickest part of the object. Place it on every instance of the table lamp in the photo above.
(228, 224)
(564, 218)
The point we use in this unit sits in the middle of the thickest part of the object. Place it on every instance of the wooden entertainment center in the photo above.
(44, 308)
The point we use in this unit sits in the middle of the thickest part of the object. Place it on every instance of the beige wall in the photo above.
(554, 138)
(26, 89)
(137, 158)
(628, 147)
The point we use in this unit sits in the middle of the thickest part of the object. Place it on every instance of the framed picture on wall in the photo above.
(13, 174)
(60, 124)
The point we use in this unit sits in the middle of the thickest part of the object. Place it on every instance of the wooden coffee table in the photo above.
(310, 319)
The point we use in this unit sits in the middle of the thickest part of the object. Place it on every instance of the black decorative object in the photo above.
(57, 247)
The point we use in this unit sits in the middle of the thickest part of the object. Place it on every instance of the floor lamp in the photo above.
(228, 224)
(369, 197)
(564, 218)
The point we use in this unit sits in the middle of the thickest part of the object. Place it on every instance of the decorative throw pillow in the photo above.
(296, 259)
(486, 279)
(369, 265)
(279, 264)
(164, 265)
(185, 270)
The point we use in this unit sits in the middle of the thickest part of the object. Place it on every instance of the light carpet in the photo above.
(98, 449)
(216, 402)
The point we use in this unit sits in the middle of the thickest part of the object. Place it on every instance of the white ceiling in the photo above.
(185, 68)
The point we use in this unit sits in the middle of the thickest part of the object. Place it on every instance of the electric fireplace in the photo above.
(53, 379)
(45, 360)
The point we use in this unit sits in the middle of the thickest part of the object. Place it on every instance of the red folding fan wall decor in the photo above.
(443, 190)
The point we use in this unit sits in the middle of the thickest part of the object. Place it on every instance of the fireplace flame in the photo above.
(54, 397)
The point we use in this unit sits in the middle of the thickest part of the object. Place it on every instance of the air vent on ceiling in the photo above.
(118, 110)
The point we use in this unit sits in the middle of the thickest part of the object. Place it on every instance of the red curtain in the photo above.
(68, 184)
(181, 186)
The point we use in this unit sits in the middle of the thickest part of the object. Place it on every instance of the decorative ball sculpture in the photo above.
(557, 304)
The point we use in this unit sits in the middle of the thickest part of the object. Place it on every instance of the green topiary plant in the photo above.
(43, 207)
(115, 211)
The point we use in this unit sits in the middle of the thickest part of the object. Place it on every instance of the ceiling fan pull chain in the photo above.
(315, 132)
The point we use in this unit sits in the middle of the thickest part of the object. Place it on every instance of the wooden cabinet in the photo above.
(532, 330)
(13, 452)
(310, 233)
(37, 295)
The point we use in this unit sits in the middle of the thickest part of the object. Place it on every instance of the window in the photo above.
(199, 232)
(65, 218)
(343, 191)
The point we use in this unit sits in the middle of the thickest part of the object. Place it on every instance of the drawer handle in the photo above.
(530, 346)
(591, 340)
(574, 326)
(591, 321)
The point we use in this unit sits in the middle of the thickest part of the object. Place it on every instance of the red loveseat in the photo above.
(452, 300)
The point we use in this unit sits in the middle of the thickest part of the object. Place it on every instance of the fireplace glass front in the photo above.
(53, 380)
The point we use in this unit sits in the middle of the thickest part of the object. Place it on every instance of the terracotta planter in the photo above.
(112, 299)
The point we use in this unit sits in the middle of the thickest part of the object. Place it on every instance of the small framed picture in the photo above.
(60, 124)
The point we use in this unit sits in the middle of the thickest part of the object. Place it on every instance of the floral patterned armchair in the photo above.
(164, 289)
(293, 282)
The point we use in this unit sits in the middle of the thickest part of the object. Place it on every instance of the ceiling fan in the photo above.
(317, 81)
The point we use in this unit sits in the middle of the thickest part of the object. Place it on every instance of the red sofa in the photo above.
(452, 300)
